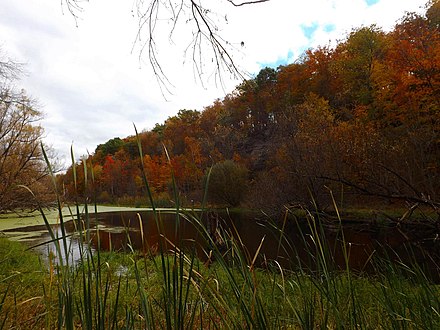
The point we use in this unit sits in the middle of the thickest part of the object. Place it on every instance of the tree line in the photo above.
(361, 119)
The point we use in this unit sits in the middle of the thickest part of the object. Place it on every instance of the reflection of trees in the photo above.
(107, 240)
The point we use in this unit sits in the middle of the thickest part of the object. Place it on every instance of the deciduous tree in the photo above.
(21, 160)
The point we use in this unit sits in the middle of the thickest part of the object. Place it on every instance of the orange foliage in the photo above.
(353, 115)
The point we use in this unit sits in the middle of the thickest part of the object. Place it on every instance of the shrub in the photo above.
(227, 183)
(104, 197)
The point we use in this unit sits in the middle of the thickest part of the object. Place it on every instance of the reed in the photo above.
(231, 287)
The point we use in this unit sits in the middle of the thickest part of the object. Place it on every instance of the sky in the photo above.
(93, 82)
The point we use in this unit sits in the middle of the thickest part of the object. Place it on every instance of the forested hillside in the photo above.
(361, 119)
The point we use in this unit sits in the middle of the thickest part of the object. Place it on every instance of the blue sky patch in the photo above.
(371, 2)
(309, 30)
(329, 27)
(280, 61)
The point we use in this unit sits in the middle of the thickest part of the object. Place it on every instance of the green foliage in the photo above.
(266, 77)
(174, 288)
(16, 262)
(307, 139)
(131, 148)
(433, 13)
(158, 128)
(110, 147)
(168, 286)
(356, 63)
(344, 117)
(228, 183)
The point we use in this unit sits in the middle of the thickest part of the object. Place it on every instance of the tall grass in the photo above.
(173, 287)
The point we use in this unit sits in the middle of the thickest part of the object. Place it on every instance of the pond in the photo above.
(298, 244)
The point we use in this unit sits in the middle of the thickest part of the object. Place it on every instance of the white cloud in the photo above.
(92, 87)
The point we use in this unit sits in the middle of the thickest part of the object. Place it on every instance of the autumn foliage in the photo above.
(361, 119)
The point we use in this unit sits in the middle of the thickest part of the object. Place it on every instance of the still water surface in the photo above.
(294, 246)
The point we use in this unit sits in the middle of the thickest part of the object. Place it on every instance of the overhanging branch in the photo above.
(246, 2)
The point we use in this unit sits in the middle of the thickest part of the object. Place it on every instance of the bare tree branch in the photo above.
(74, 7)
(9, 69)
(209, 47)
(422, 199)
(246, 2)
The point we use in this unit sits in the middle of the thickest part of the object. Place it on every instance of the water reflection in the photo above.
(297, 245)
